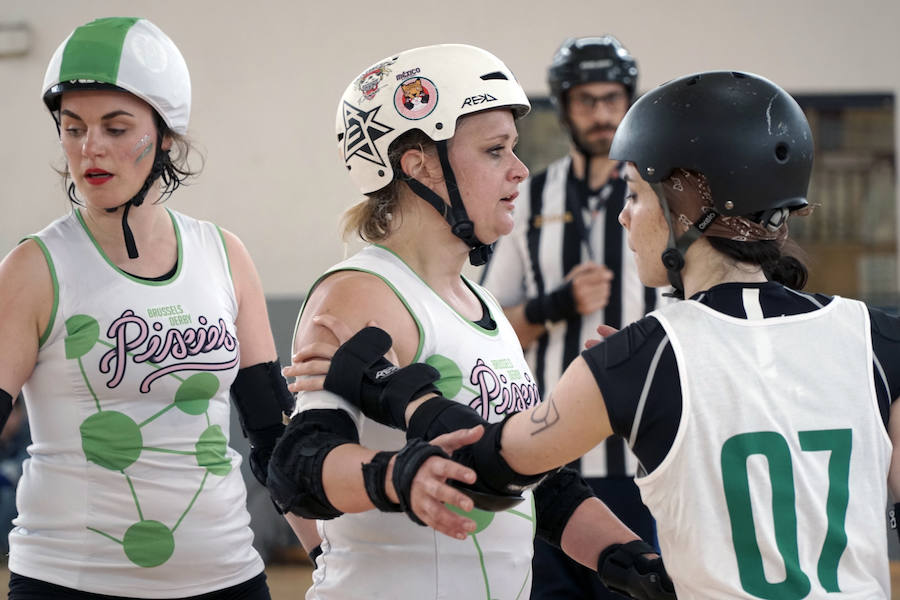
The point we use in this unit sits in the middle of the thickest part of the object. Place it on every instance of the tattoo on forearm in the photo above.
(545, 415)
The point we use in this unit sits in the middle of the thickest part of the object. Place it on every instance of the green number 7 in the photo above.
(774, 447)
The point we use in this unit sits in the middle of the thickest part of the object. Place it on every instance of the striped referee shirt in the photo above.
(559, 225)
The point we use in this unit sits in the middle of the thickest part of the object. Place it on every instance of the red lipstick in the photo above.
(97, 176)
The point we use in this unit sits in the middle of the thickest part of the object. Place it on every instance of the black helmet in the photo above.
(589, 59)
(744, 133)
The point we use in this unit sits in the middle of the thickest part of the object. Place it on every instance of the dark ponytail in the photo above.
(780, 261)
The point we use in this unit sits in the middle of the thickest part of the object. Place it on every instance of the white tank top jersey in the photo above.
(775, 486)
(385, 555)
(131, 488)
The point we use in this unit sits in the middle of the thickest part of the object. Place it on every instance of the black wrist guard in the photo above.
(623, 568)
(439, 415)
(261, 398)
(558, 305)
(555, 499)
(381, 390)
(408, 462)
(498, 486)
(374, 473)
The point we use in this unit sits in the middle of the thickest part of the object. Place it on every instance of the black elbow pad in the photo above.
(261, 398)
(555, 499)
(295, 470)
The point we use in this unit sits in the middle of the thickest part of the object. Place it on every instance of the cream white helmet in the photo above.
(426, 88)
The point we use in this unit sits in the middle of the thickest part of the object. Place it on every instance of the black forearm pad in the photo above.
(558, 305)
(360, 374)
(555, 499)
(408, 462)
(261, 397)
(623, 568)
(295, 470)
(6, 406)
(374, 480)
(439, 415)
(495, 476)
(402, 387)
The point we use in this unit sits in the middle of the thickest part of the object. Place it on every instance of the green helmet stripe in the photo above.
(95, 49)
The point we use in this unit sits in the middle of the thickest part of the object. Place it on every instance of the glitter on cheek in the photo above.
(144, 143)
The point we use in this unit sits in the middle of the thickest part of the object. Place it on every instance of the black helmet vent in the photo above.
(494, 75)
(782, 152)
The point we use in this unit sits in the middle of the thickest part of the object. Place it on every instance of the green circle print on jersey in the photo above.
(115, 441)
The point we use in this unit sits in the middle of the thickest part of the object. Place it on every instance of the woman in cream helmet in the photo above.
(762, 415)
(126, 359)
(428, 135)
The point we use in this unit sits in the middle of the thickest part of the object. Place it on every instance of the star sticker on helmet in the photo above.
(361, 131)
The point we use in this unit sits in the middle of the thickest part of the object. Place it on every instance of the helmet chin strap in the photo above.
(673, 256)
(455, 214)
(155, 172)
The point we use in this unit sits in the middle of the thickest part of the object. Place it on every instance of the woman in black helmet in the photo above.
(762, 415)
(127, 326)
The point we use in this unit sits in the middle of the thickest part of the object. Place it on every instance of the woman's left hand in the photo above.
(309, 365)
(605, 331)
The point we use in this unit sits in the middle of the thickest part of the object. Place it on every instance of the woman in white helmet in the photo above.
(126, 326)
(763, 416)
(428, 135)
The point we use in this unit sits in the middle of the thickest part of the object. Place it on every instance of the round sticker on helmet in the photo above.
(415, 98)
(149, 52)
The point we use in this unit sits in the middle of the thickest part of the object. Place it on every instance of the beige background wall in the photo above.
(267, 76)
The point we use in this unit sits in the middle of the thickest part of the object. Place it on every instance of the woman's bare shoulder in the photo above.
(359, 299)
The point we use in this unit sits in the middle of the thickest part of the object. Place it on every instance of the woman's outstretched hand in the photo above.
(605, 331)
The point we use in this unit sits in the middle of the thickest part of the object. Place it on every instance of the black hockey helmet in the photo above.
(744, 133)
(589, 59)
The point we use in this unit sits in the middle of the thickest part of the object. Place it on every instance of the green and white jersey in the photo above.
(131, 488)
(790, 477)
(385, 555)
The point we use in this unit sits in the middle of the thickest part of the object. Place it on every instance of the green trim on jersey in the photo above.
(388, 283)
(54, 280)
(227, 258)
(94, 50)
(489, 332)
(178, 243)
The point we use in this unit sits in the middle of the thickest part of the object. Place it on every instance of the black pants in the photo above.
(557, 577)
(26, 588)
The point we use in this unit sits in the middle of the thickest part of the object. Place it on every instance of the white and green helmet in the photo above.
(129, 53)
(426, 88)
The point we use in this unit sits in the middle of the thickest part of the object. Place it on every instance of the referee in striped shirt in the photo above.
(565, 270)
